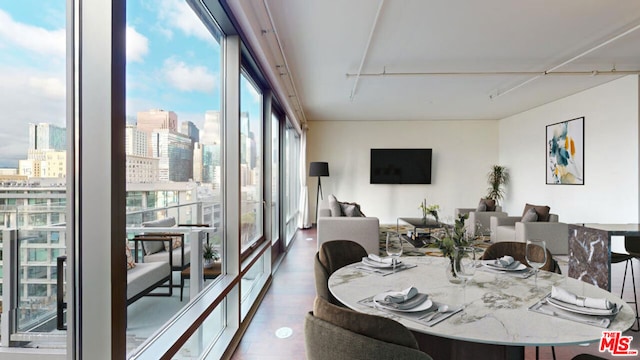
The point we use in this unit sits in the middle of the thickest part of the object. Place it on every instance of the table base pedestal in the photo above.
(440, 348)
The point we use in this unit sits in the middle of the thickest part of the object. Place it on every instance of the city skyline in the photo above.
(173, 64)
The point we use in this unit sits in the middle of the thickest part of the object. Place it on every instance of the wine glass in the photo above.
(465, 263)
(536, 255)
(394, 247)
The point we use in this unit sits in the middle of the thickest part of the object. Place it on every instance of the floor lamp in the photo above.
(318, 169)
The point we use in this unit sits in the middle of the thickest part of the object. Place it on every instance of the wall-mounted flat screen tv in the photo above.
(400, 166)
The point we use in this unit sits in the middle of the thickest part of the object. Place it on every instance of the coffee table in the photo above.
(419, 223)
(208, 273)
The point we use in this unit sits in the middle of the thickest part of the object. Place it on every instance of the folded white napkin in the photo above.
(506, 260)
(571, 298)
(385, 260)
(401, 296)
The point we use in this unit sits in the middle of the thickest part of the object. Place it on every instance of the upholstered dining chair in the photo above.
(632, 251)
(331, 256)
(335, 333)
(518, 251)
(587, 357)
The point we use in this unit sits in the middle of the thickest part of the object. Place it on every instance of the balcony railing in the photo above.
(29, 269)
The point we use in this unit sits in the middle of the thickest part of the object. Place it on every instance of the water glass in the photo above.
(465, 263)
(394, 247)
(536, 255)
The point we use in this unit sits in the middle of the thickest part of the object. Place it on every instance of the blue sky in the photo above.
(173, 63)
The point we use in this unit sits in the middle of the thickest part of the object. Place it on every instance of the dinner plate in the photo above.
(376, 264)
(580, 309)
(379, 301)
(491, 265)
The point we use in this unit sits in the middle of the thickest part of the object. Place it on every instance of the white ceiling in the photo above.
(324, 40)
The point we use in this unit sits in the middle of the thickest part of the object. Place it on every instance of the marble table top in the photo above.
(496, 304)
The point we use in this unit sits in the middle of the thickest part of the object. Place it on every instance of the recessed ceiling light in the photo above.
(284, 332)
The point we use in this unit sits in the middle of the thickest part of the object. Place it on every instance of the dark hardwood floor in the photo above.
(291, 295)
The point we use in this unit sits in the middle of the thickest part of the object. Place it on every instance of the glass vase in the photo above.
(450, 272)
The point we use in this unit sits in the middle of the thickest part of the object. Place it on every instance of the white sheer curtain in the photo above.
(303, 221)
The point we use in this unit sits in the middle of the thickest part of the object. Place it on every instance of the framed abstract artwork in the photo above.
(565, 152)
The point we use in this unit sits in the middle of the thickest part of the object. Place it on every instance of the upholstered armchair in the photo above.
(521, 228)
(479, 222)
(345, 221)
(479, 218)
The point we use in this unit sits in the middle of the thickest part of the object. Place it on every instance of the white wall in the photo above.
(610, 192)
(463, 152)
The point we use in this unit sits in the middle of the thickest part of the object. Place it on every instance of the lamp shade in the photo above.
(319, 169)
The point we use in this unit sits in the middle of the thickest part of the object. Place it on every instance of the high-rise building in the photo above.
(175, 153)
(135, 141)
(211, 131)
(206, 162)
(156, 119)
(142, 169)
(45, 136)
(191, 130)
(44, 164)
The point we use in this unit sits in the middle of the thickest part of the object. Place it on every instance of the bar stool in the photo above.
(632, 248)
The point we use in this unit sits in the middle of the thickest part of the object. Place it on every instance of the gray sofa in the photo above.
(363, 230)
(511, 228)
(145, 277)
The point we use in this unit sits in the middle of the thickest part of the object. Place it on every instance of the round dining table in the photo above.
(497, 317)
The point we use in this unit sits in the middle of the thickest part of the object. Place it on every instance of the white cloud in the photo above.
(32, 38)
(51, 87)
(186, 78)
(28, 95)
(137, 45)
(178, 14)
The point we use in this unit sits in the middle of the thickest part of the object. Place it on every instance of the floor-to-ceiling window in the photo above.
(183, 72)
(275, 178)
(32, 171)
(251, 162)
(292, 181)
(173, 141)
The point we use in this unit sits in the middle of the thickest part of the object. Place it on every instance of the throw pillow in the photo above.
(376, 327)
(177, 242)
(152, 247)
(351, 209)
(482, 206)
(130, 262)
(530, 216)
(541, 210)
(490, 204)
(334, 206)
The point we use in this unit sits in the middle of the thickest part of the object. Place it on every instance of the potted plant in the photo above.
(498, 177)
(210, 255)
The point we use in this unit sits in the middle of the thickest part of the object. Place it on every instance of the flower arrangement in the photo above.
(455, 236)
(429, 210)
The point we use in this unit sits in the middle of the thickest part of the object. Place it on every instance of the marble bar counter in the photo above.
(590, 251)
